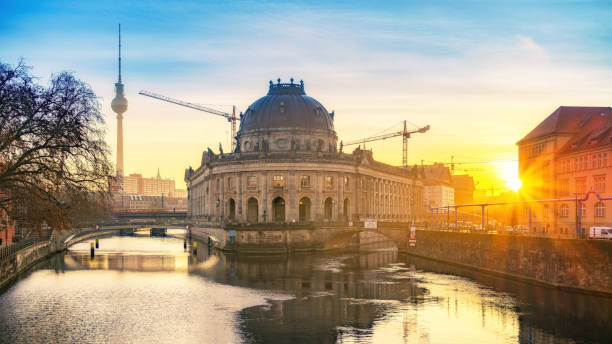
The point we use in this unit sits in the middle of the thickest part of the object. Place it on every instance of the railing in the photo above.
(10, 249)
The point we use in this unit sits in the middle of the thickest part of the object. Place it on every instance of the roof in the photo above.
(463, 182)
(286, 106)
(567, 120)
(437, 174)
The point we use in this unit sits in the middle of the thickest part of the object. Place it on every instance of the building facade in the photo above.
(564, 157)
(136, 184)
(287, 168)
(439, 190)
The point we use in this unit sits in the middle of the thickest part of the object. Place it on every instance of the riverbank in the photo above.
(575, 265)
(21, 261)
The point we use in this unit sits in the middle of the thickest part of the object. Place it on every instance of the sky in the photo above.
(482, 74)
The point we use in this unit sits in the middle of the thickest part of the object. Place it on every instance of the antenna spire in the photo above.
(119, 53)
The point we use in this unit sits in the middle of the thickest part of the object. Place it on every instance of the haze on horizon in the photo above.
(482, 75)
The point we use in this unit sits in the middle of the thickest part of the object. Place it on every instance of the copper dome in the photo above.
(286, 106)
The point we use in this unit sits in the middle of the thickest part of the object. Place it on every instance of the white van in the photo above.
(600, 233)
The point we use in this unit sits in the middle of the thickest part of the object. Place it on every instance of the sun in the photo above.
(508, 171)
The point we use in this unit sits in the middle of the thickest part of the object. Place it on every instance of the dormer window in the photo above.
(282, 107)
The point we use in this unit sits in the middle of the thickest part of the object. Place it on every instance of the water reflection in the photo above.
(141, 289)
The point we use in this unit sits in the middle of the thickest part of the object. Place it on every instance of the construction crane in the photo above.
(230, 117)
(405, 136)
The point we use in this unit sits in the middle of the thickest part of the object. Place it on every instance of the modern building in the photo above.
(463, 186)
(287, 168)
(136, 184)
(439, 191)
(564, 157)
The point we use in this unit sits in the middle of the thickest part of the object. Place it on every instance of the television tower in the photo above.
(119, 106)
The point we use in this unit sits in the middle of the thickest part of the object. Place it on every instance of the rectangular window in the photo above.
(599, 165)
(278, 181)
(229, 184)
(252, 182)
(305, 181)
(600, 183)
(605, 160)
(346, 184)
(329, 182)
(563, 187)
(581, 185)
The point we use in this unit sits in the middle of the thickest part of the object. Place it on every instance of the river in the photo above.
(150, 290)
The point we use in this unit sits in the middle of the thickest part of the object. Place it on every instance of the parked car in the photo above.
(508, 229)
(600, 233)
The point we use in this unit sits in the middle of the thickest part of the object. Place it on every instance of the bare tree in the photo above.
(52, 147)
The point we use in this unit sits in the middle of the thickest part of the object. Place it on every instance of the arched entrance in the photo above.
(252, 210)
(231, 206)
(305, 209)
(329, 204)
(278, 209)
(345, 209)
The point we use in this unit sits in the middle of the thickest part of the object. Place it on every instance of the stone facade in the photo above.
(287, 168)
(567, 155)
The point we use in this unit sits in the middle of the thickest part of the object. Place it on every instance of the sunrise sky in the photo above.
(481, 74)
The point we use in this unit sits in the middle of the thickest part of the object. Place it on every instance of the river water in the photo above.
(150, 290)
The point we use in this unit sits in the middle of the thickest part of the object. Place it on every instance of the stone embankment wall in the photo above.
(566, 263)
(15, 264)
(23, 259)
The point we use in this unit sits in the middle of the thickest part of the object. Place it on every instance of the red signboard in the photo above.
(412, 240)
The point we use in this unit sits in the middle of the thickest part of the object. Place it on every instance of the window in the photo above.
(563, 189)
(217, 189)
(346, 184)
(600, 209)
(594, 161)
(600, 183)
(564, 210)
(580, 185)
(329, 182)
(278, 181)
(605, 160)
(547, 211)
(229, 184)
(252, 182)
(599, 161)
(576, 167)
(583, 212)
(305, 181)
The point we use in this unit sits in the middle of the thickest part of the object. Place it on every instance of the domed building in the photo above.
(287, 168)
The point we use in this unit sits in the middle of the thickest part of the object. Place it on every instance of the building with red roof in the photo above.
(565, 156)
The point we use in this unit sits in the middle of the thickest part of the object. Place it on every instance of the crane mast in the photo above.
(230, 117)
(405, 136)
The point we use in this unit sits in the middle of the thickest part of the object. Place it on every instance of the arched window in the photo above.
(600, 209)
(564, 210)
(304, 209)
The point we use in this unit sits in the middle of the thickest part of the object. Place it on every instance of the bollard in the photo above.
(195, 247)
(97, 243)
(184, 244)
(92, 250)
